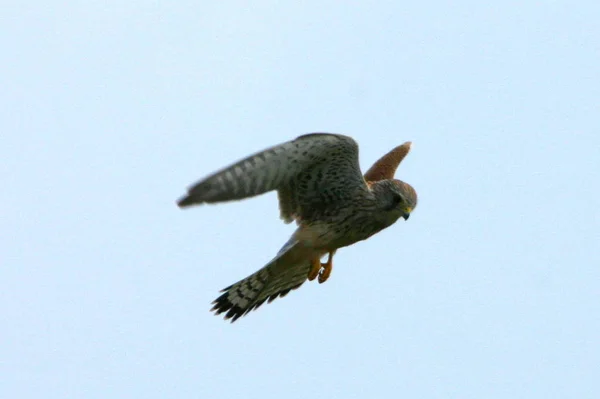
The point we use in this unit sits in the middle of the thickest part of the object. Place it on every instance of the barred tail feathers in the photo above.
(286, 272)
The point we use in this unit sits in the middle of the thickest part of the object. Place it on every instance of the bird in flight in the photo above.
(321, 187)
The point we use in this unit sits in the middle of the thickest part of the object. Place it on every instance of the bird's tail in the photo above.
(287, 271)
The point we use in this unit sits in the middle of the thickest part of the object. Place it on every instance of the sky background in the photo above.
(109, 110)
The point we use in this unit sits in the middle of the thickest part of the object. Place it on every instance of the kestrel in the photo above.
(320, 187)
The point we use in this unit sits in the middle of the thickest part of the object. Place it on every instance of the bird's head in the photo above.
(396, 199)
(404, 198)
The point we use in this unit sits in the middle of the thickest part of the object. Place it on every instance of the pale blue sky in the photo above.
(109, 110)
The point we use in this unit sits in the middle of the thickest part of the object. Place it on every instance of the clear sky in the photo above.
(109, 110)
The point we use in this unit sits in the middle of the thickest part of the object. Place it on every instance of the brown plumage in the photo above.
(321, 188)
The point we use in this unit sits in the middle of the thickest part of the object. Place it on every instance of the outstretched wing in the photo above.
(386, 166)
(286, 272)
(311, 173)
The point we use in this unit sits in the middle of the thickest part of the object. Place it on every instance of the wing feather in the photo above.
(273, 169)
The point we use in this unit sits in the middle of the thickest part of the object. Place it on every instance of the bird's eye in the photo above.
(397, 199)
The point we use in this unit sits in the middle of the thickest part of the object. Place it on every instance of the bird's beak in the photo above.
(406, 213)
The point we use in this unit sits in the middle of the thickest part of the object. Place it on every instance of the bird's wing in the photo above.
(386, 166)
(287, 271)
(311, 173)
(325, 184)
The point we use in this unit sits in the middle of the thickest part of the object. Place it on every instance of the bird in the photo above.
(319, 186)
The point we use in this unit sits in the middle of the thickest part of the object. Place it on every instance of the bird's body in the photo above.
(321, 187)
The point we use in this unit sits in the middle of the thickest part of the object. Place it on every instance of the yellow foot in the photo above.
(326, 269)
(315, 267)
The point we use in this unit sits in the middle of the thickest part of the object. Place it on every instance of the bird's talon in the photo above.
(325, 271)
(315, 269)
